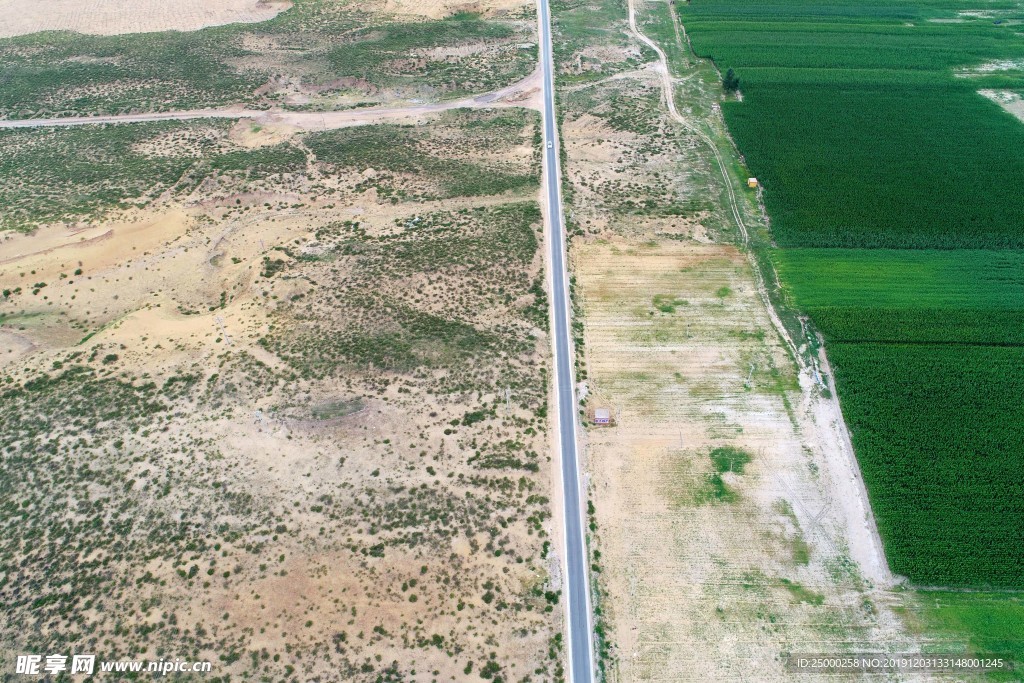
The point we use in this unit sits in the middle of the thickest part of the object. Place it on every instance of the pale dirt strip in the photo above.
(524, 93)
(866, 544)
(112, 17)
(698, 589)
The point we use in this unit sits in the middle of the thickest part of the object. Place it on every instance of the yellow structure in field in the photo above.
(751, 182)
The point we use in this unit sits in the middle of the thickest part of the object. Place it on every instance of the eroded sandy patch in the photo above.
(113, 17)
(1008, 100)
(992, 67)
(437, 9)
(710, 571)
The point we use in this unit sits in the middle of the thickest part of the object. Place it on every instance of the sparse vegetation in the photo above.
(331, 49)
(85, 172)
(396, 152)
(275, 418)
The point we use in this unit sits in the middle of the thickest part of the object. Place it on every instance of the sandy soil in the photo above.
(437, 9)
(866, 544)
(281, 123)
(149, 289)
(178, 287)
(700, 587)
(112, 17)
(1008, 100)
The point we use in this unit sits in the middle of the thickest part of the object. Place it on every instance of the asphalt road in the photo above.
(576, 589)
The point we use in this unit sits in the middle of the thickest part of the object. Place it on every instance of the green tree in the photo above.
(731, 82)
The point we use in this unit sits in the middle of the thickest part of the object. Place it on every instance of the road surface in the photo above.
(576, 589)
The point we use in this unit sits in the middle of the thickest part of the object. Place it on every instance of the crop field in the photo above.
(927, 350)
(893, 190)
(319, 53)
(843, 102)
(937, 430)
(877, 295)
(993, 622)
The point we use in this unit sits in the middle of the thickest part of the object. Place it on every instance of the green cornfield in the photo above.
(896, 196)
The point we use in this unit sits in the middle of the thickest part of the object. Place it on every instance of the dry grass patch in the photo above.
(722, 544)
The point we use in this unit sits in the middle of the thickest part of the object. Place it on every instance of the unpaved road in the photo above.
(524, 93)
(866, 544)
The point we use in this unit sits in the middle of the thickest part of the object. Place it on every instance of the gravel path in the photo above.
(524, 93)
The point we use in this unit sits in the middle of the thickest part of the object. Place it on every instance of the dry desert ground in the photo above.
(112, 17)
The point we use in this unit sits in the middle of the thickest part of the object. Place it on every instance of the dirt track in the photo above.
(524, 93)
(707, 571)
(866, 546)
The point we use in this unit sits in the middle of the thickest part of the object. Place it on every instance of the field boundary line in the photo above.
(807, 368)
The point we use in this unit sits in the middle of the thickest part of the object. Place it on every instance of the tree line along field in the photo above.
(323, 45)
(894, 191)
